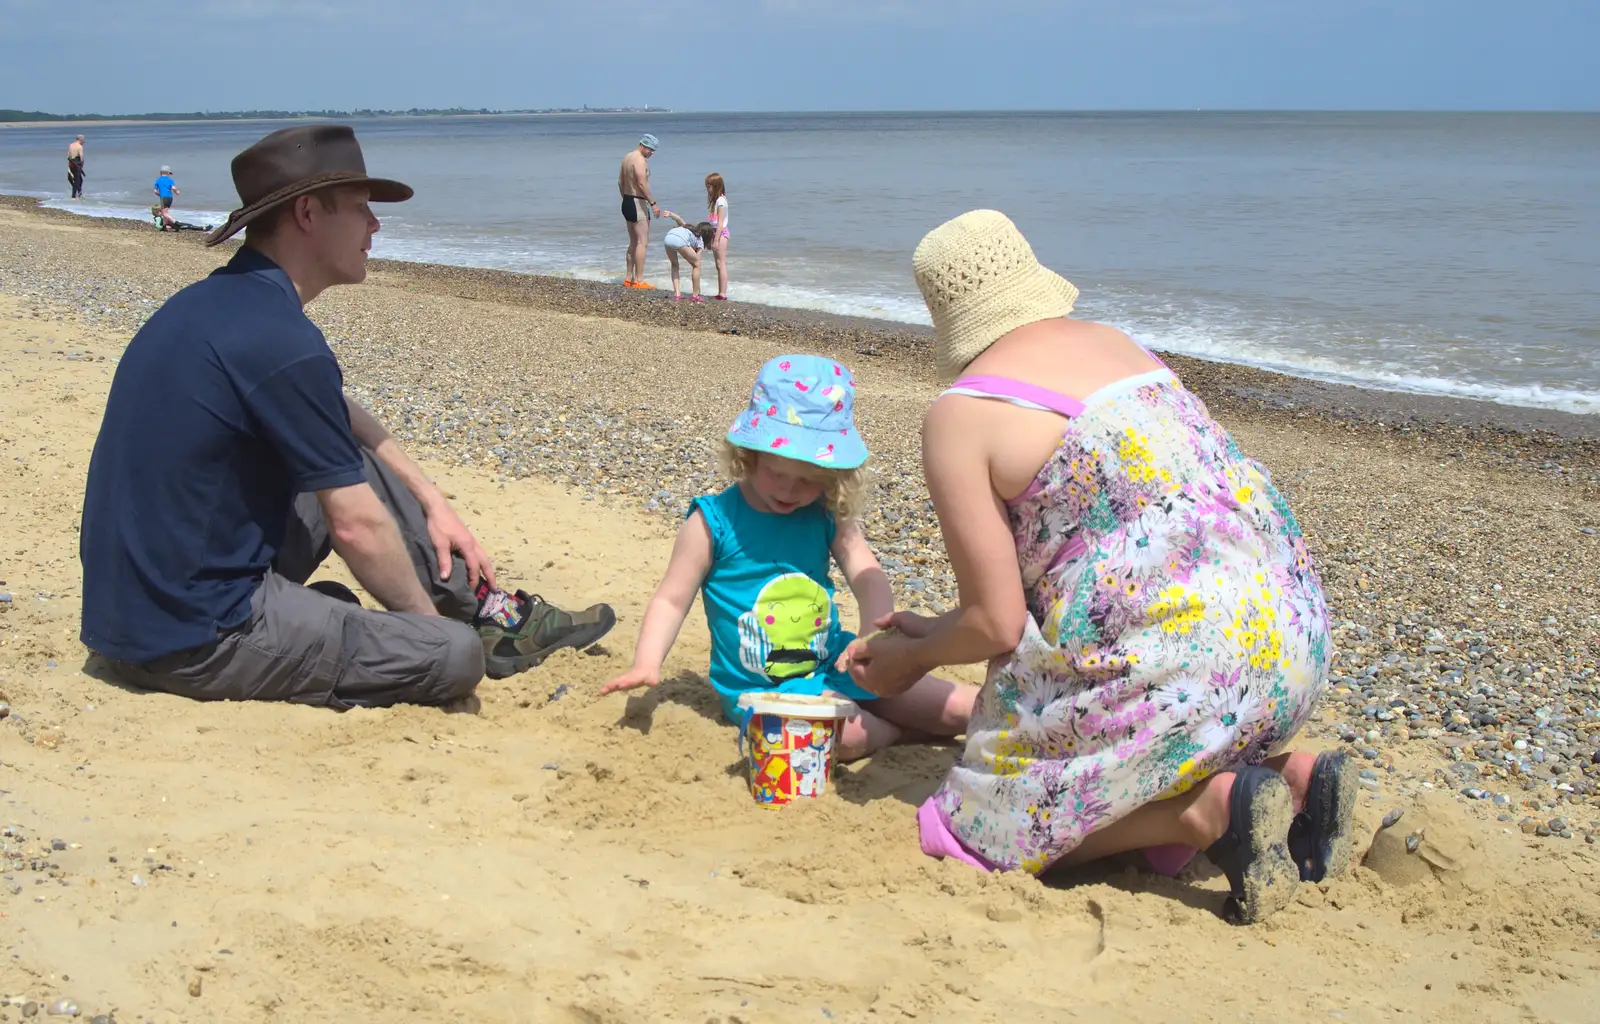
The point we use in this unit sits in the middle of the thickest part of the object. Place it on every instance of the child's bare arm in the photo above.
(866, 577)
(687, 569)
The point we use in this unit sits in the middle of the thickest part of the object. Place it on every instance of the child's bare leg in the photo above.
(672, 257)
(694, 274)
(932, 707)
(863, 735)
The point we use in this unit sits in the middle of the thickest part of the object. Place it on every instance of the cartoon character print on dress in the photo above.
(785, 636)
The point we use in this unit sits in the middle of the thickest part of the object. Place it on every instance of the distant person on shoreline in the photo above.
(717, 205)
(165, 188)
(75, 167)
(231, 463)
(633, 181)
(686, 242)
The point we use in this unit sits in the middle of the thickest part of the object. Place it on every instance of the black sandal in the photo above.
(1319, 838)
(1254, 852)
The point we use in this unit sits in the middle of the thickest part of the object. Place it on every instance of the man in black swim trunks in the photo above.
(633, 181)
(75, 167)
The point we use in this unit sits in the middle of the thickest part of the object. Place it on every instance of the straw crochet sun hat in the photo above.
(980, 280)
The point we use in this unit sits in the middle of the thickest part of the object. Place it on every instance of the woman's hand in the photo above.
(885, 663)
(907, 623)
(633, 679)
(911, 624)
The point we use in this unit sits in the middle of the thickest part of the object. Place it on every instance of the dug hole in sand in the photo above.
(562, 857)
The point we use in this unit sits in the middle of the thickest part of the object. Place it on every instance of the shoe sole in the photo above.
(1271, 878)
(1334, 789)
(497, 666)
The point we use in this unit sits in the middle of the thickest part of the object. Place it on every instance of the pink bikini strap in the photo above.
(1005, 387)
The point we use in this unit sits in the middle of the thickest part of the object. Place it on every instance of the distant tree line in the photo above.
(239, 115)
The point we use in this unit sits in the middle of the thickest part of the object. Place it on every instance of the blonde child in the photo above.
(759, 554)
(717, 217)
(686, 242)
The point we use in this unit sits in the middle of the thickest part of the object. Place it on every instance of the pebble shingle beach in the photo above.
(1457, 541)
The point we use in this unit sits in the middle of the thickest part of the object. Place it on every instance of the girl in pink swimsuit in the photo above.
(717, 205)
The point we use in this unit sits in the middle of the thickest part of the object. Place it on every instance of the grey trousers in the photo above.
(303, 646)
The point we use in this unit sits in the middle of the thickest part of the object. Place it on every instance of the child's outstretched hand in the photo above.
(632, 679)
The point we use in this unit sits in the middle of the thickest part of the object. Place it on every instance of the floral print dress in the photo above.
(1177, 626)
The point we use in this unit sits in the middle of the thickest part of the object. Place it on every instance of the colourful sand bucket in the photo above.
(788, 744)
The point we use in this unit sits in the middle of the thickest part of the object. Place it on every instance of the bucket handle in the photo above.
(744, 715)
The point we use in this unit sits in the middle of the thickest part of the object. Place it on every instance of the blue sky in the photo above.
(99, 55)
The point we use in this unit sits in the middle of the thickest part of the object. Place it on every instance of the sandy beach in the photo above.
(558, 856)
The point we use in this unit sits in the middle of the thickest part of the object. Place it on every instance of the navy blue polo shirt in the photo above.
(226, 404)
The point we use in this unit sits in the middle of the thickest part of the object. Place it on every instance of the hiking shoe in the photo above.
(543, 629)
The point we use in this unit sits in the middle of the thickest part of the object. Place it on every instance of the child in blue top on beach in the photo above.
(165, 188)
(759, 555)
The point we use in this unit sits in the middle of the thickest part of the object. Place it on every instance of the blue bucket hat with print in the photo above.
(802, 408)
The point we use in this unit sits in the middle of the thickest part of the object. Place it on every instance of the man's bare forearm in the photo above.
(387, 450)
(376, 555)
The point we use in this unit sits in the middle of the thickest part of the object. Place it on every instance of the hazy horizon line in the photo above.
(444, 112)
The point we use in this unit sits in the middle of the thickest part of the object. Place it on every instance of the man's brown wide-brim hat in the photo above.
(293, 161)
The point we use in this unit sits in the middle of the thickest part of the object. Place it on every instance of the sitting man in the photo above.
(230, 462)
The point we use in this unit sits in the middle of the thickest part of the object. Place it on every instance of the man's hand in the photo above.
(450, 535)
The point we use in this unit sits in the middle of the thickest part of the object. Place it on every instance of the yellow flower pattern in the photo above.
(1134, 451)
(1255, 630)
(1178, 610)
